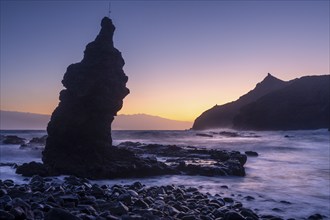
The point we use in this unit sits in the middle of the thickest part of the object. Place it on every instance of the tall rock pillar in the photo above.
(79, 132)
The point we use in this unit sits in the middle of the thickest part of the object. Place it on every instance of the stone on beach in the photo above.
(78, 198)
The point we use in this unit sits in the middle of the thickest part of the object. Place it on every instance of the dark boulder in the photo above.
(251, 153)
(58, 213)
(232, 215)
(37, 140)
(33, 168)
(13, 139)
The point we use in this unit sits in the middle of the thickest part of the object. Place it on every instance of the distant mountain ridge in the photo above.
(147, 122)
(11, 120)
(274, 105)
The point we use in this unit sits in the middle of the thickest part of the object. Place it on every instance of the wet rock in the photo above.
(315, 217)
(13, 139)
(35, 143)
(119, 209)
(251, 153)
(6, 216)
(271, 217)
(285, 202)
(232, 215)
(188, 217)
(36, 178)
(87, 209)
(249, 198)
(5, 199)
(247, 213)
(229, 134)
(8, 182)
(37, 140)
(228, 199)
(76, 197)
(3, 192)
(13, 165)
(141, 204)
(33, 168)
(204, 135)
(70, 199)
(57, 213)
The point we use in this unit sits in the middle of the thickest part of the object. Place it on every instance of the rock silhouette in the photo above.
(223, 115)
(303, 104)
(274, 105)
(79, 132)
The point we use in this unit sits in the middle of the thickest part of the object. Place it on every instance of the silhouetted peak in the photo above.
(103, 43)
(270, 80)
(268, 84)
(270, 77)
(107, 30)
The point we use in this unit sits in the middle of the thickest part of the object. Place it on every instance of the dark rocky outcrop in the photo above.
(33, 168)
(79, 132)
(275, 105)
(223, 115)
(189, 160)
(134, 159)
(304, 104)
(251, 153)
(13, 139)
(95, 88)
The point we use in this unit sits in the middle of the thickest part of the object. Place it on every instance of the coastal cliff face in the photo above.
(304, 104)
(223, 115)
(275, 105)
(79, 131)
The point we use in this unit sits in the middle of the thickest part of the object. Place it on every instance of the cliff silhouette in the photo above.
(274, 105)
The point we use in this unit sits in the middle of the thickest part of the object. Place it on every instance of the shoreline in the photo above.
(79, 198)
(272, 196)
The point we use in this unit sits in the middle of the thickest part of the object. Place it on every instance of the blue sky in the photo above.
(182, 57)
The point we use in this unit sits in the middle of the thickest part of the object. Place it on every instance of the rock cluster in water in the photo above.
(141, 160)
(190, 160)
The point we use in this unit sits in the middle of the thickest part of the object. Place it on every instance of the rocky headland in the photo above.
(274, 104)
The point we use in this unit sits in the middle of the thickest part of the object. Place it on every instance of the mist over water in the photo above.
(289, 178)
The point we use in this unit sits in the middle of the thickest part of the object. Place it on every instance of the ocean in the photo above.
(290, 178)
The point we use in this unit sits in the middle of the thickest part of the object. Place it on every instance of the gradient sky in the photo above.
(182, 57)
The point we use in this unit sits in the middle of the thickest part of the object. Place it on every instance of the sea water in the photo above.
(289, 178)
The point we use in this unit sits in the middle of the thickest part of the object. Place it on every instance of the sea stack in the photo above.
(79, 132)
